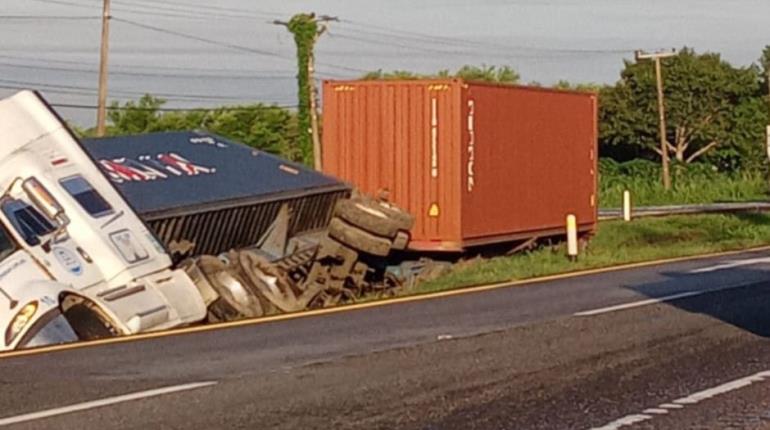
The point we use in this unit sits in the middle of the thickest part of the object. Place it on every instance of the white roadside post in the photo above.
(572, 240)
(626, 206)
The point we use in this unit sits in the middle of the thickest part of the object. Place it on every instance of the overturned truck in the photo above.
(117, 236)
(233, 216)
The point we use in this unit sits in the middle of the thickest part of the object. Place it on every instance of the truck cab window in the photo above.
(7, 245)
(88, 198)
(30, 223)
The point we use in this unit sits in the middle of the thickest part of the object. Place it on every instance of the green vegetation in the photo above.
(693, 183)
(619, 243)
(305, 30)
(269, 128)
(714, 111)
(502, 75)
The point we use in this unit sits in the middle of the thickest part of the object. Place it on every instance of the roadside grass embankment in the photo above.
(692, 184)
(617, 243)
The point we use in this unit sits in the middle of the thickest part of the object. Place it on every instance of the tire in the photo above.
(401, 241)
(368, 216)
(236, 300)
(87, 324)
(404, 219)
(358, 239)
(278, 290)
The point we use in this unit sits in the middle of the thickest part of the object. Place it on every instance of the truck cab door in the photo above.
(58, 253)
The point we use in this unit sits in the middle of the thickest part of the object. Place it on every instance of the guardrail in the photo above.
(653, 211)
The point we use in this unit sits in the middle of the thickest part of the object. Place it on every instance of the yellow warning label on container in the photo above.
(438, 87)
(433, 211)
(344, 88)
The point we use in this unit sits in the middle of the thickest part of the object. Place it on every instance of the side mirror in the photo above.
(42, 199)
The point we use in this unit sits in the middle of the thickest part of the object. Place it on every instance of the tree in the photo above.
(589, 87)
(502, 74)
(396, 74)
(764, 64)
(268, 128)
(707, 102)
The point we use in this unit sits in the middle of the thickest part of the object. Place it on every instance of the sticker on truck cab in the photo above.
(130, 248)
(68, 260)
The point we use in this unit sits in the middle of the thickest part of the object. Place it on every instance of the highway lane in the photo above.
(506, 358)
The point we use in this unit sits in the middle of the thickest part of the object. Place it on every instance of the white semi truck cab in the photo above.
(76, 262)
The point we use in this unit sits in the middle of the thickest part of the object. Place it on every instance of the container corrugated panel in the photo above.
(530, 162)
(475, 163)
(386, 136)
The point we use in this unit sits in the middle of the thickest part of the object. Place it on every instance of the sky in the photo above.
(197, 53)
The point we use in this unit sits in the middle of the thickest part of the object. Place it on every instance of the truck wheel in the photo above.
(268, 281)
(358, 239)
(404, 219)
(86, 324)
(401, 241)
(367, 215)
(236, 300)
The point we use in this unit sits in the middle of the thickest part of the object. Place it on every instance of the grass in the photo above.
(649, 192)
(694, 183)
(617, 243)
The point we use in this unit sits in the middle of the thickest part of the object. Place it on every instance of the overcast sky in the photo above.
(545, 40)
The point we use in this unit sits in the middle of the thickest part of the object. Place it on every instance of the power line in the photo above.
(244, 76)
(140, 67)
(91, 91)
(162, 109)
(201, 39)
(66, 3)
(381, 42)
(190, 11)
(47, 17)
(454, 41)
(228, 45)
(238, 12)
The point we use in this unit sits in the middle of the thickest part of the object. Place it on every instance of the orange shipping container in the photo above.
(476, 163)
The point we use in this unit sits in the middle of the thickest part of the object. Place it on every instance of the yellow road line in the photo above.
(373, 304)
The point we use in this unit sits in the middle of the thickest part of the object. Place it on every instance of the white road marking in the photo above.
(103, 402)
(685, 401)
(663, 299)
(732, 264)
(639, 303)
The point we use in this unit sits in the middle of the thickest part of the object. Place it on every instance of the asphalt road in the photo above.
(590, 352)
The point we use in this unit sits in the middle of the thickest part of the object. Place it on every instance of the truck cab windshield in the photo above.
(30, 223)
(7, 245)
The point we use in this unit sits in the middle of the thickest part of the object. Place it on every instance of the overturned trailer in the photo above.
(203, 194)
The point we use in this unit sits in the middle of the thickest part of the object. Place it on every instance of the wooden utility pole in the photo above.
(101, 110)
(656, 57)
(314, 128)
(318, 27)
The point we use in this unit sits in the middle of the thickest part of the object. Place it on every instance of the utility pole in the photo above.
(656, 57)
(101, 110)
(307, 29)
